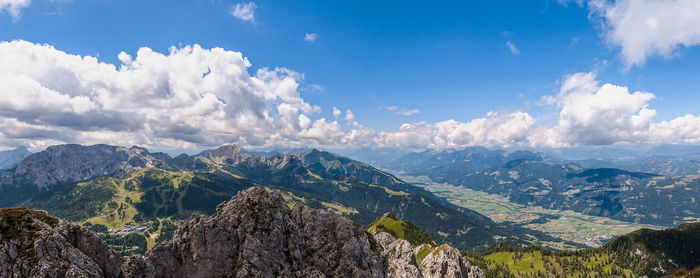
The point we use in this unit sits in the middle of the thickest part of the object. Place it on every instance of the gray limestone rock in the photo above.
(255, 234)
(440, 261)
(35, 244)
(71, 163)
(446, 262)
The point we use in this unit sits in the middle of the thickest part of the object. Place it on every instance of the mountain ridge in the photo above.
(549, 183)
(155, 189)
(10, 158)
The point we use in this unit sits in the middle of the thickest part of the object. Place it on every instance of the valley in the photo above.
(568, 225)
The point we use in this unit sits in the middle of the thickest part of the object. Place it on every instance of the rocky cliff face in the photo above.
(232, 155)
(405, 261)
(35, 244)
(71, 163)
(255, 234)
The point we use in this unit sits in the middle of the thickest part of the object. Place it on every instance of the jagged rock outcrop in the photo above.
(226, 154)
(446, 261)
(442, 261)
(233, 156)
(35, 244)
(401, 261)
(71, 163)
(255, 234)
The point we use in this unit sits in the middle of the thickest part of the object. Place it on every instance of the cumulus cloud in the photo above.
(496, 129)
(14, 7)
(592, 114)
(188, 97)
(645, 28)
(336, 112)
(192, 97)
(244, 11)
(310, 37)
(349, 116)
(684, 129)
(513, 49)
(589, 114)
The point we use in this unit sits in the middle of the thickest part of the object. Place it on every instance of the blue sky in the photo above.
(447, 60)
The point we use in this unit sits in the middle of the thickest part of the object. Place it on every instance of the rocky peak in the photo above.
(446, 261)
(226, 154)
(255, 234)
(424, 260)
(35, 244)
(233, 156)
(71, 163)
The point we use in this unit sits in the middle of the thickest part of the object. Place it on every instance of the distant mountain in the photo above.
(668, 165)
(116, 186)
(70, 163)
(688, 164)
(535, 179)
(468, 160)
(328, 162)
(667, 160)
(10, 158)
(617, 153)
(379, 157)
(672, 150)
(67, 164)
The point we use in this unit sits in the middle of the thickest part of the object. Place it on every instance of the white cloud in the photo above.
(407, 112)
(399, 111)
(497, 129)
(193, 97)
(14, 7)
(188, 97)
(336, 112)
(600, 115)
(349, 116)
(316, 87)
(244, 11)
(589, 114)
(310, 37)
(684, 129)
(513, 49)
(645, 28)
(566, 2)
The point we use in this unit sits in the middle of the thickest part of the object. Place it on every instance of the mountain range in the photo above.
(10, 158)
(547, 181)
(117, 187)
(138, 203)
